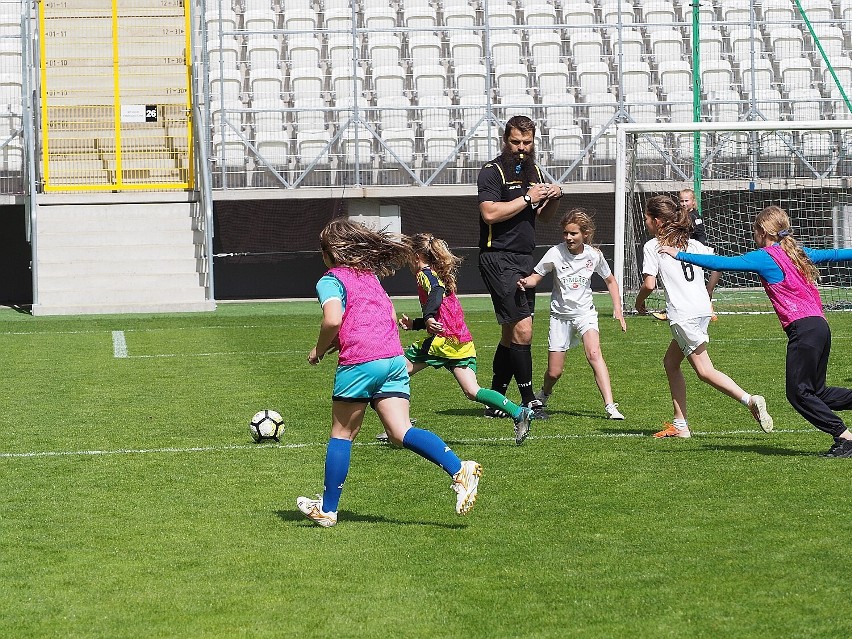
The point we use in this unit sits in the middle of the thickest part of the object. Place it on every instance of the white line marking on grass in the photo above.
(119, 344)
(475, 440)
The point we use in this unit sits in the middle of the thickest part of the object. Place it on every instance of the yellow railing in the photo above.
(115, 95)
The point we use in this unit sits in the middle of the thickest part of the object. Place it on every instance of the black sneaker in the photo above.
(843, 448)
(538, 410)
(494, 413)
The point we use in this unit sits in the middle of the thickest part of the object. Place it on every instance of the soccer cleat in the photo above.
(843, 449)
(466, 485)
(312, 509)
(382, 437)
(542, 397)
(538, 409)
(659, 315)
(522, 425)
(673, 431)
(612, 411)
(494, 413)
(757, 406)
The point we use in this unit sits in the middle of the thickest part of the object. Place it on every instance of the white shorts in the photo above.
(691, 333)
(567, 332)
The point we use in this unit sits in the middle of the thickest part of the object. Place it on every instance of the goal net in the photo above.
(736, 169)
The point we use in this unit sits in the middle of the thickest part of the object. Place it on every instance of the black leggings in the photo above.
(808, 346)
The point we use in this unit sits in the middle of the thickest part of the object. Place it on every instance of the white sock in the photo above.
(680, 424)
(746, 399)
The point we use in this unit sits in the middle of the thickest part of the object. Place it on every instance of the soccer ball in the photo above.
(266, 425)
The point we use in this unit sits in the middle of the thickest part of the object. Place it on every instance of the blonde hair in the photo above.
(675, 224)
(347, 243)
(438, 256)
(583, 219)
(774, 222)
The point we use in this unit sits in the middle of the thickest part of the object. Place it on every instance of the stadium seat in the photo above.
(723, 105)
(459, 16)
(778, 11)
(586, 46)
(472, 108)
(312, 147)
(511, 79)
(419, 16)
(304, 51)
(742, 40)
(398, 142)
(843, 70)
(643, 106)
(577, 13)
(377, 17)
(539, 14)
(735, 12)
(628, 42)
(347, 82)
(600, 109)
(307, 83)
(465, 48)
(481, 147)
(310, 114)
(593, 77)
(768, 103)
(666, 44)
(435, 112)
(680, 106)
(716, 75)
(610, 10)
(300, 19)
(228, 83)
(505, 48)
(425, 49)
(657, 14)
(552, 79)
(805, 104)
(566, 145)
(635, 76)
(471, 79)
(786, 42)
(260, 20)
(518, 104)
(429, 80)
(710, 45)
(389, 81)
(757, 74)
(796, 73)
(217, 23)
(545, 47)
(560, 110)
(393, 112)
(831, 39)
(265, 83)
(262, 51)
(225, 53)
(338, 20)
(384, 49)
(500, 13)
(273, 147)
(439, 144)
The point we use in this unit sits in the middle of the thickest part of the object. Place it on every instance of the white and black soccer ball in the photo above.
(266, 425)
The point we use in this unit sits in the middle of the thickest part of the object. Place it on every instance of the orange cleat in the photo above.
(672, 431)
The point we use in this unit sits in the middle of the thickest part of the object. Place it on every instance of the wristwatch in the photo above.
(527, 198)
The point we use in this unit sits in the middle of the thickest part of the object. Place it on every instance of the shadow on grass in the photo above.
(349, 516)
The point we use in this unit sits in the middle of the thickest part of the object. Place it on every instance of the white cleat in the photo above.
(312, 509)
(466, 484)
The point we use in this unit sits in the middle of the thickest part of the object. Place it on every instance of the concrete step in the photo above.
(131, 217)
(64, 268)
(122, 237)
(123, 307)
(96, 282)
(143, 252)
(103, 296)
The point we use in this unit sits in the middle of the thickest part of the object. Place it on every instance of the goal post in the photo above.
(805, 167)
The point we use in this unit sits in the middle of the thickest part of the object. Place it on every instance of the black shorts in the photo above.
(501, 271)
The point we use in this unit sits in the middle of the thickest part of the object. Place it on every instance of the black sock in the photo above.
(502, 369)
(521, 355)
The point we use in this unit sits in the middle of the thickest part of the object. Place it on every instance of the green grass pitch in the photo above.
(135, 504)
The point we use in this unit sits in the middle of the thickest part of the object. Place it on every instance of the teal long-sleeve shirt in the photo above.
(761, 262)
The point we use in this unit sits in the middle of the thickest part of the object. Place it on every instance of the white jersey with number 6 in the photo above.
(686, 293)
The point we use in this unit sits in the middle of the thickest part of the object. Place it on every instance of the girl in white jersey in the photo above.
(573, 317)
(689, 313)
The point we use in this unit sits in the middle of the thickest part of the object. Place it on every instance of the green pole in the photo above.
(696, 105)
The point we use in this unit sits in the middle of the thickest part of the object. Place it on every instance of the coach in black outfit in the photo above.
(512, 196)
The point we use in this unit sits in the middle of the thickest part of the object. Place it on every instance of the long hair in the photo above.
(774, 222)
(438, 256)
(347, 243)
(675, 225)
(583, 219)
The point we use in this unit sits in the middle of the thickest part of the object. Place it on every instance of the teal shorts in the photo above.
(373, 380)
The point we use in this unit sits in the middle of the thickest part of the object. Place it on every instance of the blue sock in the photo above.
(337, 457)
(429, 446)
